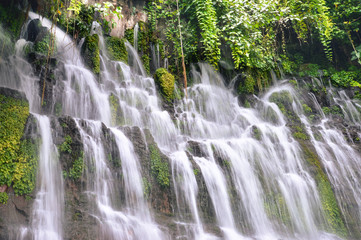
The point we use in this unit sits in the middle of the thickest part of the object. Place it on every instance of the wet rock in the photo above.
(33, 30)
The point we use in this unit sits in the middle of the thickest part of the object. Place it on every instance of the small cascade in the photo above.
(49, 201)
(339, 159)
(349, 108)
(217, 188)
(186, 190)
(134, 60)
(155, 55)
(116, 221)
(136, 30)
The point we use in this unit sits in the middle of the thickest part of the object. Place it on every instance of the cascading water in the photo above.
(256, 176)
(136, 30)
(135, 221)
(49, 201)
(338, 157)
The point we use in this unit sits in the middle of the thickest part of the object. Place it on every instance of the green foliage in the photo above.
(76, 171)
(18, 158)
(311, 70)
(300, 136)
(129, 35)
(165, 81)
(46, 46)
(116, 49)
(65, 147)
(90, 50)
(4, 198)
(306, 109)
(207, 21)
(13, 116)
(75, 5)
(107, 9)
(79, 23)
(25, 170)
(159, 167)
(12, 18)
(334, 110)
(247, 86)
(356, 54)
(346, 79)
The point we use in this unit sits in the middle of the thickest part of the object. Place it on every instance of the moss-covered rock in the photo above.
(71, 150)
(45, 43)
(159, 167)
(144, 39)
(90, 51)
(330, 206)
(165, 82)
(116, 49)
(129, 35)
(18, 158)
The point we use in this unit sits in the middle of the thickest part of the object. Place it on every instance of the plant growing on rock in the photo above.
(165, 81)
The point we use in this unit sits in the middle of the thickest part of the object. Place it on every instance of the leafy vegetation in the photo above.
(116, 49)
(4, 198)
(18, 157)
(159, 167)
(66, 145)
(76, 171)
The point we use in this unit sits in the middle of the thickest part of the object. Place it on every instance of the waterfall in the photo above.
(49, 201)
(135, 43)
(134, 222)
(243, 164)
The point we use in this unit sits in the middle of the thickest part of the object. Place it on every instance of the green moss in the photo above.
(66, 145)
(159, 167)
(115, 111)
(246, 104)
(58, 109)
(4, 198)
(90, 51)
(116, 49)
(294, 83)
(256, 133)
(329, 203)
(147, 187)
(165, 81)
(276, 208)
(300, 136)
(76, 171)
